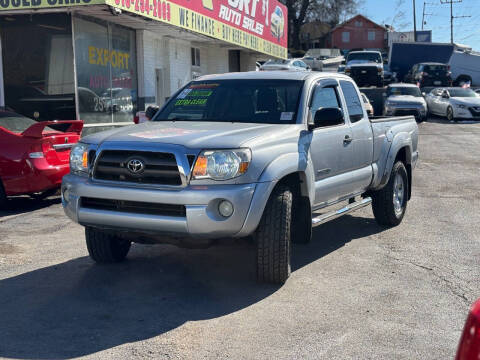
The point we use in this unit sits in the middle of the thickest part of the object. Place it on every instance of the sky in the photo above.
(466, 30)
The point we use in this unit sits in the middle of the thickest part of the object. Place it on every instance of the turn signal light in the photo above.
(85, 159)
(200, 168)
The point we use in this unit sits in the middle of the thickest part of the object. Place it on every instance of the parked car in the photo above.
(315, 63)
(365, 67)
(289, 65)
(429, 74)
(241, 154)
(405, 99)
(33, 156)
(277, 21)
(388, 75)
(454, 103)
(469, 346)
(368, 106)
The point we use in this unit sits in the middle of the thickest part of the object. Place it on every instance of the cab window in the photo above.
(354, 105)
(324, 97)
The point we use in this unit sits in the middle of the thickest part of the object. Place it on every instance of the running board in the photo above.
(340, 212)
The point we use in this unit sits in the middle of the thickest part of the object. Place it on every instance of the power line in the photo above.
(424, 13)
(451, 2)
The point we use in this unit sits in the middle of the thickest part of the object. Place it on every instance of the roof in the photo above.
(431, 63)
(356, 16)
(403, 85)
(271, 75)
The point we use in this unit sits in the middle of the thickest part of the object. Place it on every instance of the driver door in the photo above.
(330, 148)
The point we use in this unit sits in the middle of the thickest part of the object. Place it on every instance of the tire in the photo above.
(463, 79)
(3, 197)
(273, 238)
(449, 115)
(104, 247)
(301, 220)
(388, 207)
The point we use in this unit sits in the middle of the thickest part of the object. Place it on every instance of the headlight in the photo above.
(221, 164)
(461, 106)
(79, 158)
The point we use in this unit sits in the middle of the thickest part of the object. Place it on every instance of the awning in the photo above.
(259, 25)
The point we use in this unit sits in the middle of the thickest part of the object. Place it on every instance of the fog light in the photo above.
(225, 208)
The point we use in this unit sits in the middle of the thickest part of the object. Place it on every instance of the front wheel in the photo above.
(390, 203)
(450, 116)
(273, 238)
(105, 247)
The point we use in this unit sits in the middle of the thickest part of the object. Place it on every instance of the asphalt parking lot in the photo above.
(358, 291)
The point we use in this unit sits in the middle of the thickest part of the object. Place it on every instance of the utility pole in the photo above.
(414, 22)
(424, 13)
(451, 2)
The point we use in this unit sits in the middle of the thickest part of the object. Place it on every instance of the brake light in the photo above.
(136, 119)
(469, 347)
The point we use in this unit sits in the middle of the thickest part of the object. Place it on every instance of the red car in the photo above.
(469, 347)
(33, 156)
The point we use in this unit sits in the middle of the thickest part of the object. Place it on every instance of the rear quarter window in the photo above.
(354, 105)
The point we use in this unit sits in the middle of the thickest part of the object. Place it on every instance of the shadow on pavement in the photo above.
(24, 204)
(78, 308)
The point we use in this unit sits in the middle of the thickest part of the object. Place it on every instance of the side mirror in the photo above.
(344, 62)
(328, 117)
(424, 94)
(445, 96)
(151, 111)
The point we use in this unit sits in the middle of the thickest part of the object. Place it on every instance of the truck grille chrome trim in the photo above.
(159, 168)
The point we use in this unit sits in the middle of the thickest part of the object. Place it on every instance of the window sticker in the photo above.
(184, 94)
(286, 116)
(204, 86)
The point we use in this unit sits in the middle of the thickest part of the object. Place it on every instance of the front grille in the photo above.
(364, 75)
(159, 168)
(475, 111)
(136, 207)
(407, 112)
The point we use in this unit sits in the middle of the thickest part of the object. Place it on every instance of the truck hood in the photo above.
(407, 99)
(359, 63)
(191, 134)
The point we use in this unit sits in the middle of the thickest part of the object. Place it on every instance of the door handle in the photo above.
(347, 140)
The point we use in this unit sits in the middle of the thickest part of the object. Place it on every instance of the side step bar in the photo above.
(340, 212)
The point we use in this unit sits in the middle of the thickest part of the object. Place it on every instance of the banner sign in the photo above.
(41, 4)
(260, 25)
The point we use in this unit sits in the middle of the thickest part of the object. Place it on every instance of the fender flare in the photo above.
(400, 141)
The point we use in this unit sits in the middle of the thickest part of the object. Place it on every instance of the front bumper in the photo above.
(201, 218)
(471, 113)
(420, 112)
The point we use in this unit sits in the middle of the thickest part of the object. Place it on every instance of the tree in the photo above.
(399, 20)
(329, 11)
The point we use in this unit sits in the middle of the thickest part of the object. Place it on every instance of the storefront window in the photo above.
(38, 65)
(106, 73)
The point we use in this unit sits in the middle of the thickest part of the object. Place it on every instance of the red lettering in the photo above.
(136, 6)
(154, 8)
(168, 11)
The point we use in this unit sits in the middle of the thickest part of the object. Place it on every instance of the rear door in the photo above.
(362, 138)
(330, 150)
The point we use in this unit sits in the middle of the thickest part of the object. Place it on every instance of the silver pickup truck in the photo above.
(261, 154)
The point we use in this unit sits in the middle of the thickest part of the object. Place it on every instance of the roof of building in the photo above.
(357, 16)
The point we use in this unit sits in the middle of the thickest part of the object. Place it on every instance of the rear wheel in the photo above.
(390, 203)
(273, 238)
(105, 247)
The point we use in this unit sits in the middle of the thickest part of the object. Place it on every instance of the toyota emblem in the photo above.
(135, 166)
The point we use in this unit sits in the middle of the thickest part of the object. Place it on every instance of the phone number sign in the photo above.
(260, 25)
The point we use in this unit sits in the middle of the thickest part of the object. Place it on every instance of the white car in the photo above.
(454, 103)
(289, 65)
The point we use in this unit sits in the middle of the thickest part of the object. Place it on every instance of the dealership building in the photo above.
(103, 60)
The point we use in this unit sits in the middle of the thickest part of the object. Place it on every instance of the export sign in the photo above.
(260, 25)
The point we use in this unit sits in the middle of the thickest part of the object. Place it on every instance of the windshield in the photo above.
(246, 101)
(365, 57)
(16, 123)
(277, 62)
(435, 68)
(462, 93)
(412, 91)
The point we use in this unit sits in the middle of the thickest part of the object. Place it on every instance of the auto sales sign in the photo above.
(260, 25)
